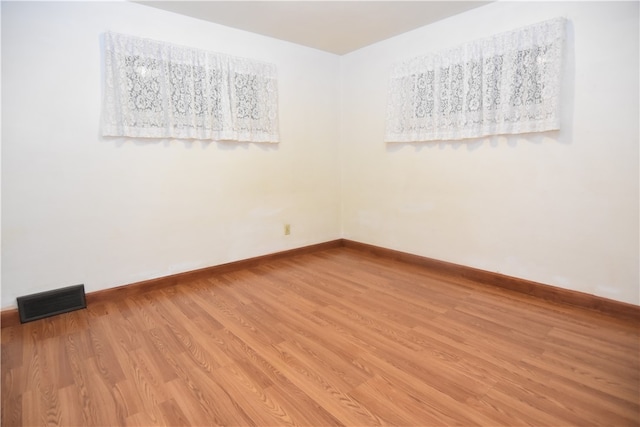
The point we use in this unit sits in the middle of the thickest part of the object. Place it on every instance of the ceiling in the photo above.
(338, 27)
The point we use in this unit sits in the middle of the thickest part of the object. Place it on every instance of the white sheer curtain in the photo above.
(160, 90)
(505, 84)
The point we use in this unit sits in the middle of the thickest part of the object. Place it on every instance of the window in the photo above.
(506, 84)
(160, 90)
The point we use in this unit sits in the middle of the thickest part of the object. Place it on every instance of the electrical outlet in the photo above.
(287, 229)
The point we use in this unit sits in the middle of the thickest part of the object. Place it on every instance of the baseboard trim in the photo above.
(11, 317)
(134, 289)
(539, 290)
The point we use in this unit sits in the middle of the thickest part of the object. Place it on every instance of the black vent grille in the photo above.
(50, 303)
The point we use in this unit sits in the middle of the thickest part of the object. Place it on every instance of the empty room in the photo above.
(320, 213)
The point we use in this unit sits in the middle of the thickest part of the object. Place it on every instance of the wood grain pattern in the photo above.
(528, 287)
(10, 317)
(338, 336)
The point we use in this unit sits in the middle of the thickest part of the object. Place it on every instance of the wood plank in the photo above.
(538, 290)
(332, 337)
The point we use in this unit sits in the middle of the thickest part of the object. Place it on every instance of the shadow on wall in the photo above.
(189, 144)
(473, 144)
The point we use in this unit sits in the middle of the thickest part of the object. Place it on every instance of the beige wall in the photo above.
(78, 208)
(559, 208)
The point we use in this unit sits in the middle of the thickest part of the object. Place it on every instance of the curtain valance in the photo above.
(160, 90)
(505, 84)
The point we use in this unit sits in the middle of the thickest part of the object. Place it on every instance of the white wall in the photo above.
(560, 208)
(77, 208)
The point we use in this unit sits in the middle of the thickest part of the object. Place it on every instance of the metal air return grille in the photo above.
(50, 303)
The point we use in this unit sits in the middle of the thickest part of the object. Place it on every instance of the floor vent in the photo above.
(50, 303)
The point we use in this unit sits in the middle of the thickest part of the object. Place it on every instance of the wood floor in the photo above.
(337, 337)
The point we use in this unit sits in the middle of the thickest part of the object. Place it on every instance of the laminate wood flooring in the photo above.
(337, 337)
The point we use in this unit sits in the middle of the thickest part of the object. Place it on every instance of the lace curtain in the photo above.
(160, 90)
(505, 84)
